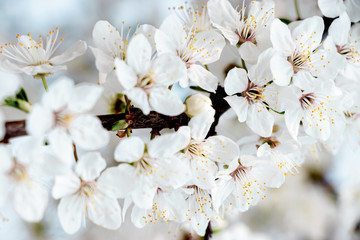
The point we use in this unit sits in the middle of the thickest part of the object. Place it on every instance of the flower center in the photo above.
(272, 141)
(299, 60)
(88, 189)
(18, 172)
(307, 100)
(145, 165)
(30, 52)
(195, 149)
(349, 52)
(253, 93)
(246, 33)
(146, 82)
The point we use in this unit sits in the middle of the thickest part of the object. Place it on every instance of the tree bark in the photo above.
(136, 119)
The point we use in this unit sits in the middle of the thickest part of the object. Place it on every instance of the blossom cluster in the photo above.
(296, 88)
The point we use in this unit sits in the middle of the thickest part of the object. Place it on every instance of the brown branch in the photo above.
(136, 119)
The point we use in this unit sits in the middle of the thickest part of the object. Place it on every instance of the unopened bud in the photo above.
(196, 104)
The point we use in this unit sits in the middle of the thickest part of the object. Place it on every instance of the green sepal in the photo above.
(119, 125)
(19, 101)
(285, 20)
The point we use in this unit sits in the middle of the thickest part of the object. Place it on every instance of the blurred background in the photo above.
(321, 202)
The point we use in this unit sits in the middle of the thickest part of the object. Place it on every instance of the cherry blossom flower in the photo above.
(244, 183)
(317, 109)
(37, 58)
(200, 209)
(298, 58)
(334, 8)
(195, 49)
(250, 95)
(195, 17)
(146, 80)
(109, 45)
(246, 27)
(148, 167)
(344, 40)
(62, 118)
(23, 172)
(202, 155)
(168, 206)
(86, 192)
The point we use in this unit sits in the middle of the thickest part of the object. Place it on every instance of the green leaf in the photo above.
(119, 125)
(17, 103)
(22, 95)
(282, 113)
(196, 88)
(285, 20)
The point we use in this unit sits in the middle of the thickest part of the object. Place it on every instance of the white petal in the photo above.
(236, 81)
(143, 195)
(39, 121)
(224, 17)
(62, 145)
(78, 49)
(65, 185)
(281, 69)
(339, 30)
(59, 94)
(30, 201)
(71, 211)
(84, 97)
(139, 99)
(105, 211)
(240, 106)
(169, 69)
(104, 62)
(129, 150)
(44, 68)
(221, 149)
(260, 74)
(106, 37)
(6, 162)
(208, 47)
(332, 8)
(139, 53)
(304, 80)
(260, 120)
(201, 123)
(174, 29)
(222, 190)
(166, 102)
(267, 174)
(249, 52)
(118, 182)
(164, 43)
(281, 38)
(169, 144)
(9, 84)
(292, 120)
(202, 77)
(88, 133)
(310, 27)
(203, 172)
(90, 166)
(125, 74)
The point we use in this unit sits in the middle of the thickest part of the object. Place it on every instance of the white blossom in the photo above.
(195, 49)
(146, 80)
(246, 26)
(86, 193)
(34, 58)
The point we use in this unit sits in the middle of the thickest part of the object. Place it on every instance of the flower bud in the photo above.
(196, 104)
